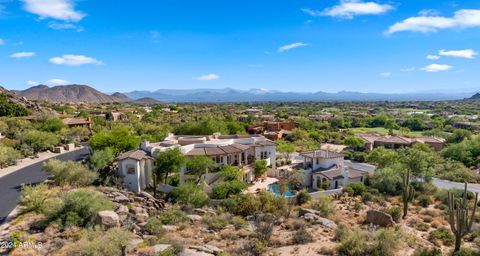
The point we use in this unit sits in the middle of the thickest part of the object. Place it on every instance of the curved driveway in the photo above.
(32, 174)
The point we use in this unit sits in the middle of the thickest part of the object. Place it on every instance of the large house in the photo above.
(331, 168)
(273, 130)
(136, 166)
(373, 140)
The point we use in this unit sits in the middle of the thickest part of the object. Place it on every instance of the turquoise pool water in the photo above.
(275, 188)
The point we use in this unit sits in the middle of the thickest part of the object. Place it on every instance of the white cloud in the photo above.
(386, 74)
(407, 69)
(437, 68)
(428, 12)
(57, 81)
(55, 9)
(291, 46)
(208, 77)
(74, 60)
(348, 9)
(2, 42)
(464, 18)
(64, 26)
(32, 83)
(433, 57)
(19, 55)
(468, 53)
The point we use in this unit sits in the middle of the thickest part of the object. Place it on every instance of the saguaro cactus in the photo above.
(408, 193)
(460, 221)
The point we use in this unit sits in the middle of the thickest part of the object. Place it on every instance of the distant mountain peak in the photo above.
(476, 96)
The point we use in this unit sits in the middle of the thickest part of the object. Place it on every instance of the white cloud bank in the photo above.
(433, 57)
(74, 60)
(467, 53)
(57, 81)
(19, 55)
(289, 47)
(464, 18)
(437, 68)
(55, 9)
(348, 9)
(209, 77)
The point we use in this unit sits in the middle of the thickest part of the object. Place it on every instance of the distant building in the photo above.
(117, 116)
(78, 122)
(273, 130)
(467, 125)
(320, 118)
(373, 140)
(323, 166)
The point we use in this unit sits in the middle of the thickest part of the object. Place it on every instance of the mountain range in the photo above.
(85, 93)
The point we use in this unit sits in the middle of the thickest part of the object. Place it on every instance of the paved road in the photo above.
(10, 184)
(449, 184)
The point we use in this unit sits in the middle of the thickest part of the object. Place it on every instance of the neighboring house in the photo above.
(136, 167)
(117, 116)
(273, 130)
(78, 122)
(322, 117)
(467, 125)
(237, 150)
(323, 166)
(373, 140)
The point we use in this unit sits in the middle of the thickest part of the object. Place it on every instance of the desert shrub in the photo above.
(424, 200)
(466, 252)
(324, 205)
(172, 216)
(69, 173)
(422, 227)
(38, 140)
(341, 232)
(386, 242)
(238, 222)
(8, 156)
(303, 197)
(77, 208)
(256, 247)
(442, 234)
(216, 222)
(34, 197)
(395, 211)
(302, 236)
(243, 204)
(264, 228)
(387, 180)
(356, 189)
(427, 252)
(154, 227)
(273, 204)
(115, 241)
(442, 194)
(189, 194)
(371, 197)
(354, 243)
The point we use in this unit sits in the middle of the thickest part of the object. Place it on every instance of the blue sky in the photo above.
(288, 45)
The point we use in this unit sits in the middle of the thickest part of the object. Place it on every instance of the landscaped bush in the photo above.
(424, 200)
(154, 227)
(395, 212)
(189, 194)
(172, 216)
(442, 234)
(273, 204)
(69, 173)
(324, 205)
(35, 197)
(38, 140)
(77, 208)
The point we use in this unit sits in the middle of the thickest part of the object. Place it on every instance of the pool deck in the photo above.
(259, 185)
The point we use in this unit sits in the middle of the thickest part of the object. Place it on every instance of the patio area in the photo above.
(259, 185)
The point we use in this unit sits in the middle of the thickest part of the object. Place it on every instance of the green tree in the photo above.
(230, 173)
(354, 142)
(169, 161)
(285, 148)
(8, 155)
(260, 168)
(226, 189)
(54, 124)
(200, 165)
(119, 140)
(101, 159)
(69, 173)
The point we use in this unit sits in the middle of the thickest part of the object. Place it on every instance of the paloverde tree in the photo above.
(200, 165)
(169, 161)
(285, 148)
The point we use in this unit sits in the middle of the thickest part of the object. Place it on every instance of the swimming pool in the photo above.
(275, 188)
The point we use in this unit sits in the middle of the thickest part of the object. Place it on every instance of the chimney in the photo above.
(345, 174)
